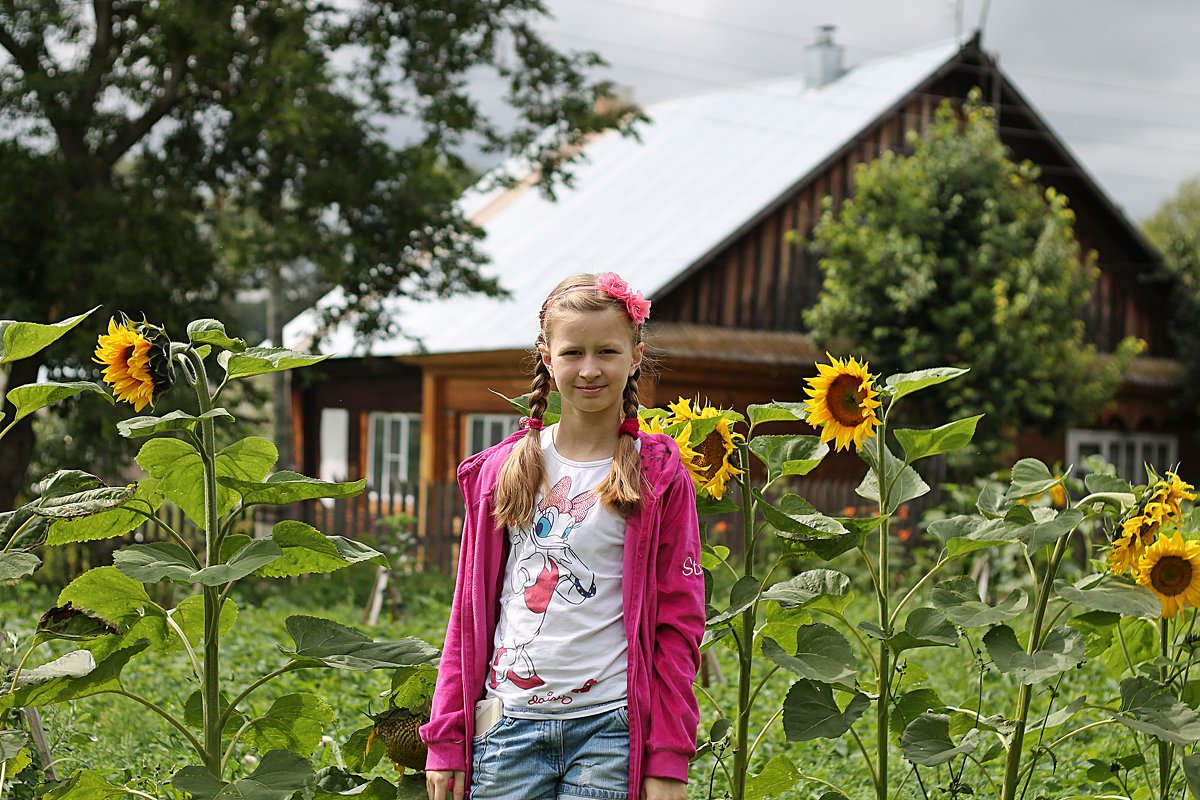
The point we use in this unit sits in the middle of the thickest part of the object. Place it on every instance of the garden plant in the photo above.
(109, 615)
(864, 682)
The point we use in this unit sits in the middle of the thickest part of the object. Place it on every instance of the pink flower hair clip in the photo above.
(614, 286)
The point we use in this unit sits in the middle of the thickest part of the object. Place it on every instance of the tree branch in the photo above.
(99, 55)
(132, 134)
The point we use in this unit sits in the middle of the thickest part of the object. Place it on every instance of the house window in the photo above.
(1128, 452)
(393, 453)
(485, 430)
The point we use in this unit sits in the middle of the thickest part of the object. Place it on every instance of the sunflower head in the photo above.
(1171, 491)
(842, 402)
(136, 359)
(1171, 569)
(706, 441)
(1138, 532)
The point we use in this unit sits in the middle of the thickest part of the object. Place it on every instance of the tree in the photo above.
(1175, 231)
(954, 255)
(136, 129)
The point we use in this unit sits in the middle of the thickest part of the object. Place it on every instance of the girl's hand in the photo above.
(663, 789)
(440, 781)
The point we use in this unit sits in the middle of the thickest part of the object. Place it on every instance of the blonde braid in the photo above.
(524, 471)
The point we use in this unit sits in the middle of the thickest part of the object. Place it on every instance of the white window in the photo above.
(393, 453)
(1128, 452)
(335, 442)
(485, 430)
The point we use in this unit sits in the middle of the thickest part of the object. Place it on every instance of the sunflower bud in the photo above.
(137, 361)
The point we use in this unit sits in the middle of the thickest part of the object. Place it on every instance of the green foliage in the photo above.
(954, 255)
(1175, 230)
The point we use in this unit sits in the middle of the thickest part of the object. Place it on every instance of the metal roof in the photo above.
(649, 208)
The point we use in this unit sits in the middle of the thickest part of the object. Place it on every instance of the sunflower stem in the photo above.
(884, 674)
(745, 642)
(1164, 748)
(211, 692)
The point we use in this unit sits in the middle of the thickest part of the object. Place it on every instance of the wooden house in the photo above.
(696, 214)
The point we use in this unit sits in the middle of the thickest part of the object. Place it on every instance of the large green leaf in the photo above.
(808, 526)
(294, 722)
(911, 705)
(924, 627)
(1111, 593)
(741, 596)
(323, 641)
(375, 789)
(177, 466)
(75, 664)
(111, 523)
(212, 331)
(287, 487)
(1147, 708)
(140, 427)
(307, 551)
(775, 411)
(1030, 477)
(1050, 529)
(788, 455)
(1191, 773)
(280, 775)
(807, 586)
(926, 741)
(106, 677)
(28, 399)
(777, 777)
(1063, 650)
(73, 624)
(258, 553)
(115, 597)
(905, 383)
(808, 533)
(17, 564)
(821, 654)
(358, 757)
(1098, 629)
(919, 444)
(811, 712)
(262, 360)
(22, 339)
(959, 600)
(157, 561)
(85, 503)
(908, 485)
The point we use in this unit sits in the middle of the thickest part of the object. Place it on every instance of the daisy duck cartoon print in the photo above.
(547, 566)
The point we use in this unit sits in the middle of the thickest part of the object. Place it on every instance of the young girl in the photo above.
(575, 629)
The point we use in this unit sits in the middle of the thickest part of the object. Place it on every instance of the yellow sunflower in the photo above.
(135, 365)
(843, 402)
(1137, 533)
(683, 438)
(1171, 491)
(714, 468)
(1171, 569)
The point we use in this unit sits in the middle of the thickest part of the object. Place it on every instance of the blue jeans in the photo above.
(549, 759)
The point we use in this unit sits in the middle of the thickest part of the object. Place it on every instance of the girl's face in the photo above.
(591, 356)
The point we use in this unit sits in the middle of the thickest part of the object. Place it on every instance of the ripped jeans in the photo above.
(553, 759)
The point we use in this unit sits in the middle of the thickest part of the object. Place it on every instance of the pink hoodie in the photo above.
(663, 592)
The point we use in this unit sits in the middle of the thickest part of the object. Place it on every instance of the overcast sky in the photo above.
(1119, 80)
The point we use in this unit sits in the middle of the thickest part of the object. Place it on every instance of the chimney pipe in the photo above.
(822, 59)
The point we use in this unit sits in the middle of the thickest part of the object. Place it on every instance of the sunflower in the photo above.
(682, 437)
(1137, 533)
(136, 364)
(1171, 491)
(843, 402)
(1171, 569)
(714, 467)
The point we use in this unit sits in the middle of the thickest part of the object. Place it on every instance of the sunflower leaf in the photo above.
(1111, 593)
(305, 551)
(1042, 532)
(280, 775)
(86, 503)
(1064, 648)
(952, 436)
(788, 455)
(1147, 708)
(926, 741)
(521, 405)
(139, 427)
(156, 561)
(904, 486)
(28, 399)
(286, 487)
(775, 411)
(17, 564)
(263, 360)
(105, 677)
(212, 331)
(821, 654)
(741, 596)
(1030, 477)
(20, 340)
(258, 553)
(802, 589)
(326, 642)
(178, 467)
(810, 712)
(293, 722)
(114, 522)
(905, 383)
(959, 600)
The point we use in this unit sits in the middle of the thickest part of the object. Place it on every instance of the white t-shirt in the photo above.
(560, 648)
